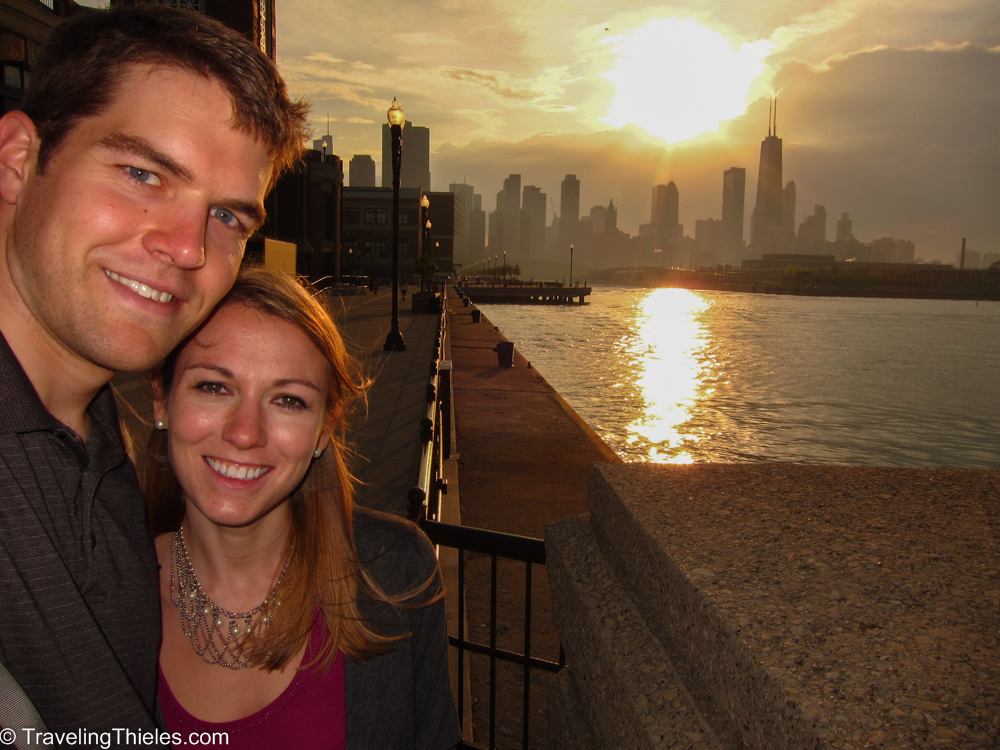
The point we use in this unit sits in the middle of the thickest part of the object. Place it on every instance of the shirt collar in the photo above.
(21, 410)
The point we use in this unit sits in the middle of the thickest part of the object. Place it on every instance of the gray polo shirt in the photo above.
(79, 602)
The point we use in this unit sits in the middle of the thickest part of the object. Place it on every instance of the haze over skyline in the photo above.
(887, 111)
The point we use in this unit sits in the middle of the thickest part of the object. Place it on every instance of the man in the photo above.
(128, 188)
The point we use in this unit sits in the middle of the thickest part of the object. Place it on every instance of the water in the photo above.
(671, 375)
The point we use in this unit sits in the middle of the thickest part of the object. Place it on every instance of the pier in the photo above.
(528, 294)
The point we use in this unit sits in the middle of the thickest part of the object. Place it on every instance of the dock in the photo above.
(528, 294)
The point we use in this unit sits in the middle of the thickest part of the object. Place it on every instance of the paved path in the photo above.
(387, 434)
(524, 460)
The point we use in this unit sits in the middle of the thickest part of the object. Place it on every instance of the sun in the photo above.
(677, 79)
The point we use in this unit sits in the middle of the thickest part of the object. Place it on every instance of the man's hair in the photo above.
(79, 70)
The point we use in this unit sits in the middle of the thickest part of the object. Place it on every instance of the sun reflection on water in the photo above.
(668, 354)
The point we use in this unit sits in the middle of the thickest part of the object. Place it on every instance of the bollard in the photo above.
(505, 353)
(465, 301)
(477, 315)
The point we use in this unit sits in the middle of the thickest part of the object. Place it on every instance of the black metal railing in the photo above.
(425, 508)
(531, 552)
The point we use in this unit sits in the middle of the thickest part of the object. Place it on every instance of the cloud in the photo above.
(903, 140)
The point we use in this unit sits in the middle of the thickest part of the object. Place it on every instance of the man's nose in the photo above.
(179, 235)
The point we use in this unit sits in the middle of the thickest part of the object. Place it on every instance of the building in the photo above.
(366, 231)
(464, 198)
(734, 182)
(415, 161)
(443, 213)
(710, 242)
(533, 214)
(324, 145)
(665, 209)
(788, 214)
(508, 230)
(889, 250)
(767, 224)
(24, 27)
(304, 209)
(845, 228)
(476, 236)
(812, 232)
(569, 213)
(254, 19)
(361, 171)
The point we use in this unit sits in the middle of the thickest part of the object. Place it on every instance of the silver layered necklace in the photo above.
(216, 634)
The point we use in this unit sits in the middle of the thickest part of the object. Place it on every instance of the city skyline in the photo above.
(887, 112)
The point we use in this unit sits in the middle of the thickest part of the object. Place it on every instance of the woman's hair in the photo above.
(324, 565)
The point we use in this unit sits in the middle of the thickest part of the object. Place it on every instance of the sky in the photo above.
(888, 109)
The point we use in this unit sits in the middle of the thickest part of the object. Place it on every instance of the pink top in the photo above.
(309, 715)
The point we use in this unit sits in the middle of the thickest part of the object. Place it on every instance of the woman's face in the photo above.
(246, 410)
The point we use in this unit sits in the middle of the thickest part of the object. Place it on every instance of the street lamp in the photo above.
(394, 341)
(504, 267)
(571, 265)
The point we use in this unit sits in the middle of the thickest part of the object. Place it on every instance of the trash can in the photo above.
(477, 314)
(505, 353)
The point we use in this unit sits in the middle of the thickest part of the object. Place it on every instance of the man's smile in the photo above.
(143, 290)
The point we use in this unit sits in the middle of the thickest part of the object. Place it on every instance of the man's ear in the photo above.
(18, 153)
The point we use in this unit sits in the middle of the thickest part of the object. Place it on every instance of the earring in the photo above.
(160, 424)
(317, 453)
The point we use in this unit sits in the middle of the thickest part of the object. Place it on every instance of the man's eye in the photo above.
(143, 175)
(226, 217)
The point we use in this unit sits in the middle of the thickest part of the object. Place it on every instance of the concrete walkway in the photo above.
(386, 435)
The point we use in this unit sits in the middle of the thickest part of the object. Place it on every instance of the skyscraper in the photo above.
(665, 205)
(845, 228)
(569, 213)
(734, 182)
(324, 145)
(767, 222)
(533, 211)
(788, 211)
(509, 206)
(361, 171)
(463, 219)
(415, 165)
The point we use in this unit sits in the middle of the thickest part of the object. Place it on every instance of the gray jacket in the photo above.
(402, 699)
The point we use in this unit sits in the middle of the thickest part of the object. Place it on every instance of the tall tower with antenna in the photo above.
(767, 221)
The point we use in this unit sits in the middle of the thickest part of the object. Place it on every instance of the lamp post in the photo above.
(394, 341)
(571, 265)
(504, 266)
(425, 231)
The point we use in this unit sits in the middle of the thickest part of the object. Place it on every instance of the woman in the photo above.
(290, 617)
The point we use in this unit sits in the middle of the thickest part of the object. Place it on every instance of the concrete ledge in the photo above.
(628, 687)
(810, 606)
(569, 727)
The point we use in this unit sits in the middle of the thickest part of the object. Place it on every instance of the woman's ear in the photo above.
(332, 420)
(159, 396)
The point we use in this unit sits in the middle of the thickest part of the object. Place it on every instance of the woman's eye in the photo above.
(212, 389)
(290, 402)
(143, 175)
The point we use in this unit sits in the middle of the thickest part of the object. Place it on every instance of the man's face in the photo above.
(137, 227)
